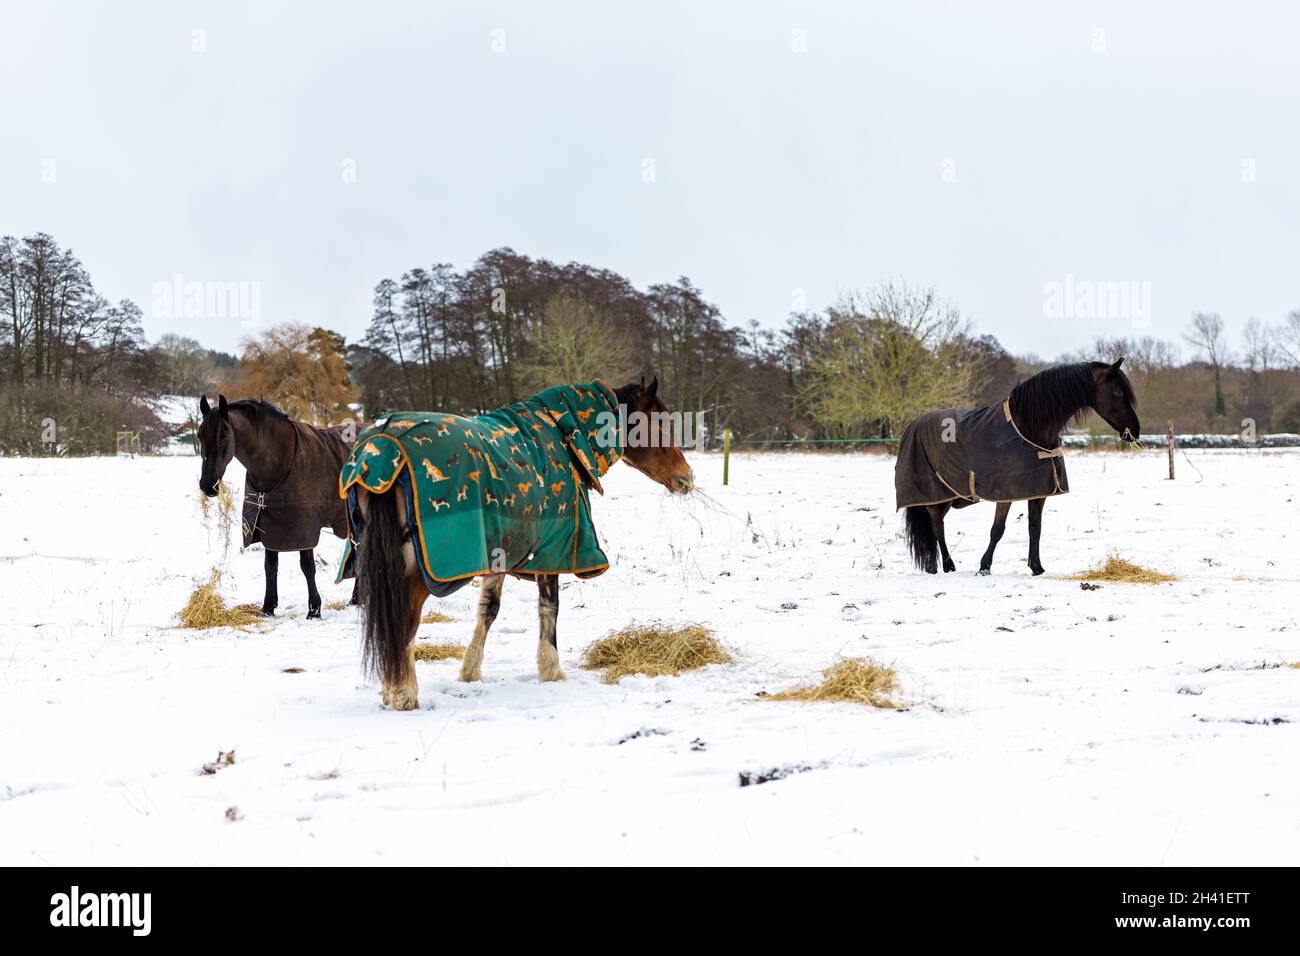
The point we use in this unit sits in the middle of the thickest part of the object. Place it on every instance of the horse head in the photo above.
(216, 443)
(649, 445)
(1115, 401)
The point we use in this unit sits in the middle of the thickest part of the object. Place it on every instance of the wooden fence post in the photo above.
(726, 454)
(1169, 443)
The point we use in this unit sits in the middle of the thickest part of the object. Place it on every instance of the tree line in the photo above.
(508, 325)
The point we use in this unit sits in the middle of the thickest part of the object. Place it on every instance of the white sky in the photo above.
(776, 171)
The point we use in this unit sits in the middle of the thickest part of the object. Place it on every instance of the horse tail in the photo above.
(921, 540)
(383, 583)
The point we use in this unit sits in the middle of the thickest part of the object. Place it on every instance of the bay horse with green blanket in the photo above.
(1002, 453)
(435, 500)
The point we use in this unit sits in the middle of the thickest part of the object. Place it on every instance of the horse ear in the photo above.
(224, 408)
(654, 387)
(204, 407)
(1118, 362)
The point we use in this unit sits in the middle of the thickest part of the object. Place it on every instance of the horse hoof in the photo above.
(949, 568)
(1037, 570)
(313, 614)
(265, 613)
(985, 572)
(403, 700)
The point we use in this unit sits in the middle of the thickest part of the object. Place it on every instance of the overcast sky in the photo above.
(793, 150)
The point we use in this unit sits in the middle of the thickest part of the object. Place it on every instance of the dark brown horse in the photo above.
(291, 491)
(396, 588)
(1003, 453)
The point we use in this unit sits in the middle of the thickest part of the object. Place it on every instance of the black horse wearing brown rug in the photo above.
(291, 492)
(1002, 453)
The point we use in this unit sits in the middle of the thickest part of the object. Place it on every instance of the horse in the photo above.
(1003, 453)
(291, 492)
(436, 500)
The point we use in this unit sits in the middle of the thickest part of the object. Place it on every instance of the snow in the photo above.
(1091, 731)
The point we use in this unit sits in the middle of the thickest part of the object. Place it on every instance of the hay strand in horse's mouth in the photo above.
(225, 512)
(1135, 440)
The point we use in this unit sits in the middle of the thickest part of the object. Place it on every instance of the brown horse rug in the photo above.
(962, 456)
(290, 515)
(505, 491)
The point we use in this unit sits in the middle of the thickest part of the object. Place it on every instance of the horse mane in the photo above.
(1046, 402)
(258, 411)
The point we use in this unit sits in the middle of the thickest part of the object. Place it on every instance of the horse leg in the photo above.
(406, 696)
(995, 535)
(271, 565)
(936, 521)
(307, 561)
(1035, 530)
(355, 600)
(489, 602)
(548, 611)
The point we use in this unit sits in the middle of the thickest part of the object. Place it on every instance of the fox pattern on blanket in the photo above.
(1002, 453)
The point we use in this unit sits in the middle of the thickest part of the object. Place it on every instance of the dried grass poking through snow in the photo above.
(206, 609)
(425, 651)
(225, 512)
(854, 680)
(654, 651)
(1124, 572)
(435, 617)
(338, 604)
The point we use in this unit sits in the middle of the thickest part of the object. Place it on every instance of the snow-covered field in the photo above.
(1123, 725)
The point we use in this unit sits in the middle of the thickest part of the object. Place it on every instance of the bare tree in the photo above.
(572, 342)
(1206, 334)
(1287, 337)
(1258, 344)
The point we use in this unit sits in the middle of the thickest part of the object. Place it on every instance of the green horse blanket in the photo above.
(503, 491)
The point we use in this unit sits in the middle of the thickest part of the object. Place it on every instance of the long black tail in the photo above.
(388, 606)
(921, 540)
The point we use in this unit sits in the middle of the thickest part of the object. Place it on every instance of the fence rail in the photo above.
(1168, 441)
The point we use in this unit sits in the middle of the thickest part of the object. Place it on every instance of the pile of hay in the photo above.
(854, 680)
(654, 651)
(425, 651)
(1124, 572)
(206, 609)
(225, 512)
(435, 617)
